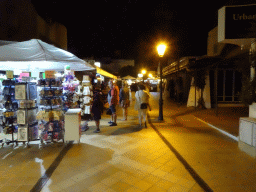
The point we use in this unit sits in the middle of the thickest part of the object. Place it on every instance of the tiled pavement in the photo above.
(127, 158)
(136, 161)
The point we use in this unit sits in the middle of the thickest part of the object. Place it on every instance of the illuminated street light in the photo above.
(150, 75)
(140, 75)
(143, 74)
(161, 49)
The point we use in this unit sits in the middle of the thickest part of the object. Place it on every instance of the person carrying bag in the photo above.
(142, 104)
(124, 99)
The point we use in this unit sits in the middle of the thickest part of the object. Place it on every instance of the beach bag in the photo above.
(109, 112)
(143, 106)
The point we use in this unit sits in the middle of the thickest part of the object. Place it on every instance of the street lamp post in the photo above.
(161, 49)
(144, 74)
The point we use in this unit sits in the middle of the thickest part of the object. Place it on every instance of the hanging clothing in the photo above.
(86, 91)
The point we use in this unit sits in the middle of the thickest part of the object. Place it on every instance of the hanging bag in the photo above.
(143, 105)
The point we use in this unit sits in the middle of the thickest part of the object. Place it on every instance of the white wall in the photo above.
(252, 108)
(206, 94)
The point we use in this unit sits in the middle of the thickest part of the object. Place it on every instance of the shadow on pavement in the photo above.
(126, 130)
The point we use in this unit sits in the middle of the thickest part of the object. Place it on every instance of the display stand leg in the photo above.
(10, 141)
(2, 142)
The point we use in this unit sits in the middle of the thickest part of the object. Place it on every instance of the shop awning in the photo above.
(36, 55)
(105, 73)
(204, 61)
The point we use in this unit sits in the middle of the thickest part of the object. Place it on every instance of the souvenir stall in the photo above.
(31, 117)
(71, 90)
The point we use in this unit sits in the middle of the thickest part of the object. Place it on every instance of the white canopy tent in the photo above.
(128, 77)
(37, 56)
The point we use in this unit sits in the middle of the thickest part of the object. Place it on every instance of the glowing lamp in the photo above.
(97, 64)
(161, 49)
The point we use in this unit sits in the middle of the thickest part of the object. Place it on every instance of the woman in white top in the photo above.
(142, 96)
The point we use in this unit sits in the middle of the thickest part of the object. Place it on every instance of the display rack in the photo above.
(9, 122)
(26, 93)
(70, 91)
(50, 116)
(86, 97)
(2, 110)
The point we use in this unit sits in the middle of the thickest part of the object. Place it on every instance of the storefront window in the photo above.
(229, 85)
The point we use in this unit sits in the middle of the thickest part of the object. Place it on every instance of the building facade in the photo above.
(177, 79)
(115, 65)
(20, 22)
(224, 65)
(228, 69)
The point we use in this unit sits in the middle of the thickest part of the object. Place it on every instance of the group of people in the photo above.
(122, 98)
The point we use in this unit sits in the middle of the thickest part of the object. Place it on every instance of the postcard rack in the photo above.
(26, 93)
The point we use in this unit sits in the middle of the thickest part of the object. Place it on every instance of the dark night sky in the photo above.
(100, 28)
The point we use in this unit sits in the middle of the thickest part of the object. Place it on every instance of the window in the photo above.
(229, 85)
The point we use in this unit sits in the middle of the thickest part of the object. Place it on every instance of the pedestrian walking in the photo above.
(124, 99)
(114, 102)
(97, 108)
(134, 88)
(142, 104)
(109, 112)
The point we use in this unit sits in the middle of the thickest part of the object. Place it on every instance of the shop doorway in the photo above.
(229, 85)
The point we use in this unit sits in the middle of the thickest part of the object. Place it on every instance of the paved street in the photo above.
(179, 154)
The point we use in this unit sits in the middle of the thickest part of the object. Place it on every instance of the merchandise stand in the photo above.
(51, 116)
(73, 125)
(26, 93)
(2, 110)
(70, 93)
(86, 97)
(11, 106)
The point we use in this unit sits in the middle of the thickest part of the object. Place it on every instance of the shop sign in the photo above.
(9, 74)
(237, 22)
(25, 76)
(50, 74)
